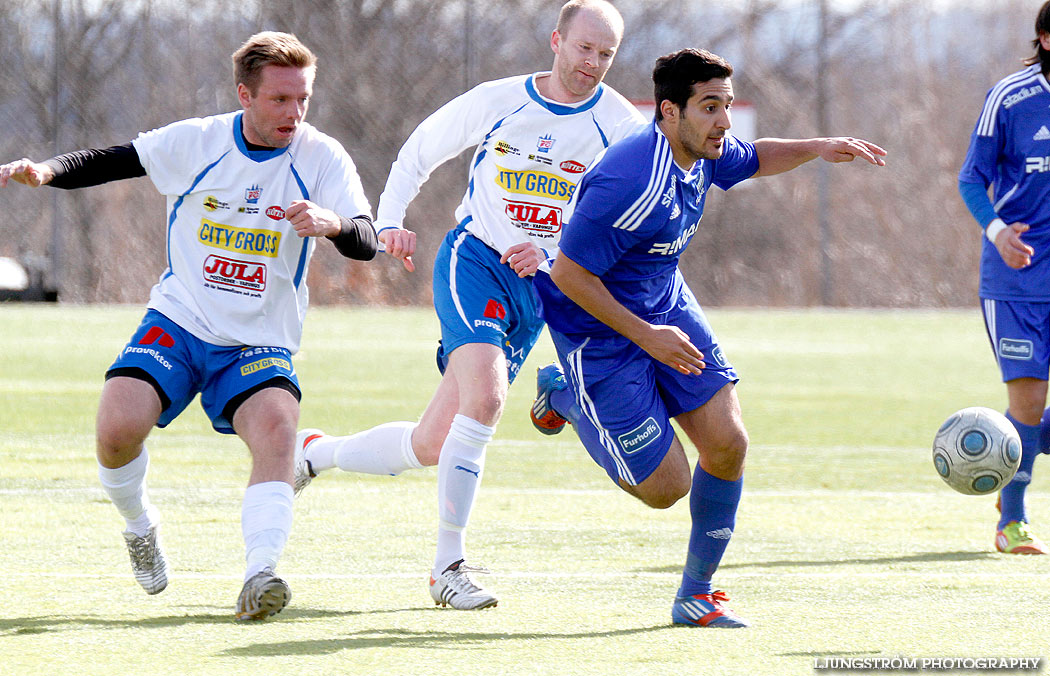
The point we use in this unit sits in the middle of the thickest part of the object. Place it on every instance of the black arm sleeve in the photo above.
(357, 238)
(83, 168)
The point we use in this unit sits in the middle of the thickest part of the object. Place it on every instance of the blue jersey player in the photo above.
(635, 345)
(1010, 151)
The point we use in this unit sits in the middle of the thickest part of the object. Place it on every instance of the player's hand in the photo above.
(1016, 254)
(27, 172)
(310, 220)
(401, 244)
(524, 258)
(670, 345)
(846, 149)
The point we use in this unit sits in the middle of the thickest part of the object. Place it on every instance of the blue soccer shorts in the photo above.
(480, 300)
(1020, 336)
(628, 399)
(179, 365)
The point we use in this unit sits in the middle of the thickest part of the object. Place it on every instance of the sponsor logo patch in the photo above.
(252, 194)
(1021, 350)
(539, 218)
(720, 534)
(640, 437)
(495, 310)
(159, 336)
(265, 363)
(672, 248)
(275, 212)
(239, 240)
(572, 167)
(540, 159)
(503, 148)
(1022, 94)
(545, 143)
(231, 272)
(212, 203)
(536, 184)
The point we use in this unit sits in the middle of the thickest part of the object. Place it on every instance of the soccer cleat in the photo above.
(1015, 538)
(705, 610)
(147, 560)
(456, 587)
(264, 594)
(303, 470)
(544, 418)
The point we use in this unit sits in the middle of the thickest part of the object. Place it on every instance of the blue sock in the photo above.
(564, 404)
(712, 504)
(1044, 432)
(1012, 494)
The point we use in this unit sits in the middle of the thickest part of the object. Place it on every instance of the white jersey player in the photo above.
(247, 193)
(535, 136)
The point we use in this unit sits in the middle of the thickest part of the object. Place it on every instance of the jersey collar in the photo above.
(558, 108)
(254, 155)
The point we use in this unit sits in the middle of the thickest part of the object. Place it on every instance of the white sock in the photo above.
(386, 449)
(459, 475)
(266, 521)
(126, 488)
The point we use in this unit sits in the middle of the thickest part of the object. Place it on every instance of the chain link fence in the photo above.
(909, 76)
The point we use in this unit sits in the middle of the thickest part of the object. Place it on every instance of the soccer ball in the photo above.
(976, 451)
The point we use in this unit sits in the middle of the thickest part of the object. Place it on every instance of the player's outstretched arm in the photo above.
(667, 344)
(26, 172)
(777, 155)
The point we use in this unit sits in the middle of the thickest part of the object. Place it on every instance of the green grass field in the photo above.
(847, 543)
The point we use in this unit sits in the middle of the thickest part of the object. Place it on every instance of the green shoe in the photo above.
(1015, 538)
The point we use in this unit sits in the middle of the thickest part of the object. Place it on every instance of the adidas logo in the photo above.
(1042, 135)
(675, 212)
(720, 534)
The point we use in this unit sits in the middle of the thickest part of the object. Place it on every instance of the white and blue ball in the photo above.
(976, 451)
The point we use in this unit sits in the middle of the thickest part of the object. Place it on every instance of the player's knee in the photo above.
(727, 460)
(117, 444)
(426, 447)
(668, 497)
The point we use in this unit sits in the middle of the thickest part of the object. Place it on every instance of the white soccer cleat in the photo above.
(456, 587)
(304, 472)
(147, 560)
(264, 594)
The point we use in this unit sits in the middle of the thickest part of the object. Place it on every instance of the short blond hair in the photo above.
(268, 48)
(571, 8)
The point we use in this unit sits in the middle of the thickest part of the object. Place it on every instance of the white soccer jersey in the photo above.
(236, 268)
(531, 153)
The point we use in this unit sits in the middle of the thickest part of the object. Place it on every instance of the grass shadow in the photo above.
(403, 638)
(20, 626)
(926, 557)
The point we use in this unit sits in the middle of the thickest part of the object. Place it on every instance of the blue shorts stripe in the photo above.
(452, 282)
(590, 411)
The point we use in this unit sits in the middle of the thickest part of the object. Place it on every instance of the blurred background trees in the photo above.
(910, 76)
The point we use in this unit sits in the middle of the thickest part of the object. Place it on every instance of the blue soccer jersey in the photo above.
(635, 214)
(1010, 151)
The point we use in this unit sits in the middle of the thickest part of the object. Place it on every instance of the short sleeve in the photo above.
(738, 162)
(170, 154)
(339, 186)
(982, 156)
